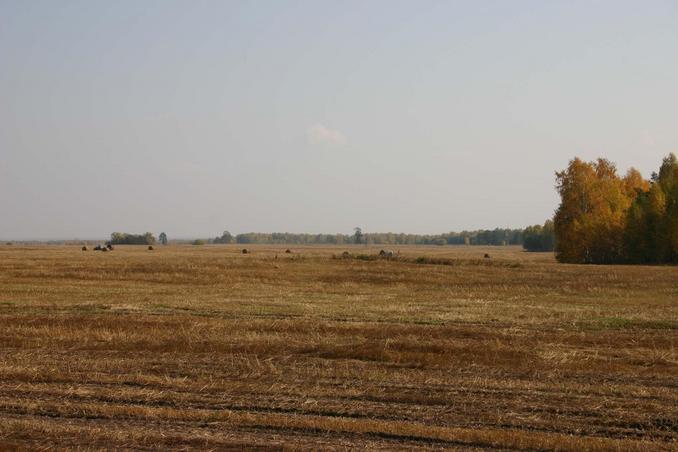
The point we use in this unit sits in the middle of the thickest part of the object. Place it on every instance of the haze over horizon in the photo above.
(319, 116)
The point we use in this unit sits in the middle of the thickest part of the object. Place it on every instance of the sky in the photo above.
(195, 117)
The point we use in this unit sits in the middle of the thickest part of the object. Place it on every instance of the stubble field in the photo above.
(202, 347)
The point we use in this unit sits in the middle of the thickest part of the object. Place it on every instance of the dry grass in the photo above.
(206, 348)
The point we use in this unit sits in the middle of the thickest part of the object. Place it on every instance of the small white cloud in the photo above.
(320, 134)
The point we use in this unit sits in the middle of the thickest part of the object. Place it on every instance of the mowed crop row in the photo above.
(204, 347)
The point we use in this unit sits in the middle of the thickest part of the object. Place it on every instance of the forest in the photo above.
(604, 218)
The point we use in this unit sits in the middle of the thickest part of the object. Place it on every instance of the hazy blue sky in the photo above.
(192, 117)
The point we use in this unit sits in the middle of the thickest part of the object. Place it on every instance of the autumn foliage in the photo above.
(605, 219)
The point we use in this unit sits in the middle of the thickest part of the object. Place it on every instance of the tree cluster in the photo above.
(539, 238)
(123, 238)
(605, 219)
(226, 237)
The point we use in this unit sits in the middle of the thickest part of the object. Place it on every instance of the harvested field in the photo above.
(203, 347)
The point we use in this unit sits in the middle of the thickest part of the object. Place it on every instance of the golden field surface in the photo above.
(202, 347)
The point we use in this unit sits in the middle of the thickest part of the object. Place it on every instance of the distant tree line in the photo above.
(605, 219)
(123, 238)
(480, 237)
(539, 238)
